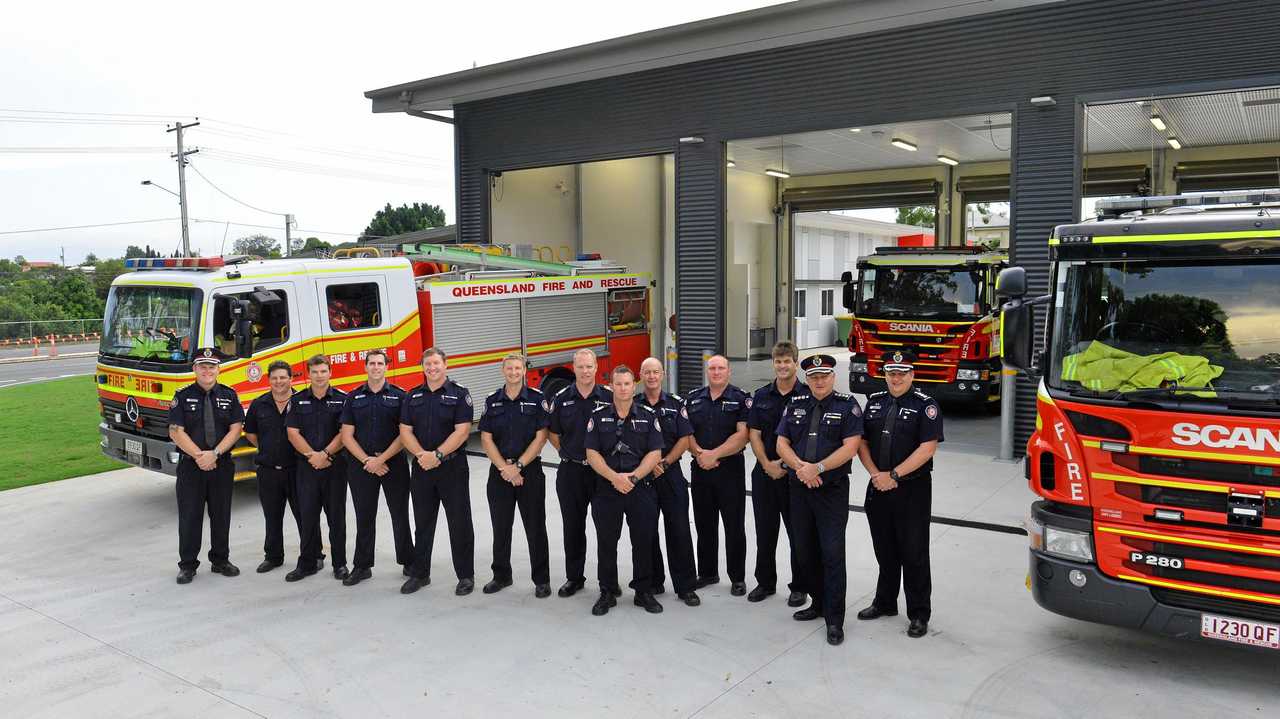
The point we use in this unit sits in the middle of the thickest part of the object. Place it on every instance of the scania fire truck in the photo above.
(476, 306)
(1156, 450)
(940, 304)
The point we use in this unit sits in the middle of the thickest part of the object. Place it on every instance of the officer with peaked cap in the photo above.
(818, 437)
(904, 427)
(205, 419)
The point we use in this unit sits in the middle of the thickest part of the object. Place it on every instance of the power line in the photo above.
(79, 150)
(95, 114)
(263, 130)
(228, 195)
(312, 169)
(84, 227)
(381, 156)
(276, 227)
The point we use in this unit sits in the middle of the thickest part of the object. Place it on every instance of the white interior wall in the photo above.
(536, 207)
(750, 244)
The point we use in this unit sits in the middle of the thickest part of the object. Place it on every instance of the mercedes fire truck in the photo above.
(940, 304)
(1156, 450)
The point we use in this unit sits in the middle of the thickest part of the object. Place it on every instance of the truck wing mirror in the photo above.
(1011, 282)
(1017, 328)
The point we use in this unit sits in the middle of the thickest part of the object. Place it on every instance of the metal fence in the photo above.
(27, 332)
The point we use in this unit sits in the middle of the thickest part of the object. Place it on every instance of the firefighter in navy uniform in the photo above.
(718, 413)
(670, 485)
(818, 437)
(205, 419)
(623, 445)
(770, 490)
(315, 431)
(570, 411)
(264, 427)
(513, 431)
(435, 421)
(376, 462)
(903, 429)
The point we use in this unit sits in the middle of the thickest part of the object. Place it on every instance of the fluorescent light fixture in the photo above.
(691, 140)
(1173, 142)
(1158, 122)
(855, 129)
(731, 163)
(1043, 101)
(903, 144)
(777, 173)
(948, 161)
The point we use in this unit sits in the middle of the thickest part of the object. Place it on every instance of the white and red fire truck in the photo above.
(256, 312)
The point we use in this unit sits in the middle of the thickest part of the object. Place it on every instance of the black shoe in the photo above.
(796, 599)
(404, 570)
(707, 581)
(835, 635)
(759, 594)
(226, 569)
(186, 575)
(659, 589)
(464, 587)
(807, 614)
(601, 607)
(412, 584)
(918, 628)
(495, 586)
(570, 588)
(690, 599)
(542, 591)
(617, 590)
(874, 612)
(341, 572)
(359, 574)
(267, 565)
(646, 600)
(300, 573)
(738, 589)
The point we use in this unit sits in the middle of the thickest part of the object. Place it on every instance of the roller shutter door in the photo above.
(556, 327)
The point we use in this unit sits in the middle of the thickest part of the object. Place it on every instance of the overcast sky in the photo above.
(89, 87)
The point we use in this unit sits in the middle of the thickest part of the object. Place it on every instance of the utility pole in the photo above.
(181, 156)
(288, 237)
(63, 254)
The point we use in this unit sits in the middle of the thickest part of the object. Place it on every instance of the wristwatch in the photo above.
(893, 474)
(439, 456)
(663, 464)
(216, 453)
(821, 467)
(326, 454)
(519, 465)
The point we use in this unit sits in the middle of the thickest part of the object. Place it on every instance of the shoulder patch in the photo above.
(931, 411)
(466, 397)
(747, 402)
(546, 405)
(684, 412)
(591, 424)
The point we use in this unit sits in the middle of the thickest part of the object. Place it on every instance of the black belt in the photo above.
(582, 462)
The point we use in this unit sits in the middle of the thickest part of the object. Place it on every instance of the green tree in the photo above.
(20, 260)
(315, 244)
(89, 259)
(133, 251)
(259, 244)
(920, 216)
(104, 273)
(405, 218)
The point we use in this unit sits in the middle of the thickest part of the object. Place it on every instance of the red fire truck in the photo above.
(476, 306)
(1156, 450)
(940, 304)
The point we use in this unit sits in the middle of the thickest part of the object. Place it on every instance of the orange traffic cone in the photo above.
(53, 345)
(35, 346)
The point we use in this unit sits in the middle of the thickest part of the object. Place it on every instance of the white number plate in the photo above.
(133, 446)
(1240, 631)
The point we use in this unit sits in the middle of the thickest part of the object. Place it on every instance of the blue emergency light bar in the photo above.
(174, 263)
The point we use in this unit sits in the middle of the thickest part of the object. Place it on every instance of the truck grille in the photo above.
(155, 422)
(1216, 605)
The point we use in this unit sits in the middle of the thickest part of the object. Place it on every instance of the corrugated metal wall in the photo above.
(988, 63)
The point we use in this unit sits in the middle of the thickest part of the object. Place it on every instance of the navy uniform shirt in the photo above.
(317, 420)
(514, 422)
(714, 421)
(767, 406)
(375, 416)
(570, 412)
(839, 418)
(672, 419)
(434, 414)
(624, 442)
(187, 411)
(919, 420)
(263, 420)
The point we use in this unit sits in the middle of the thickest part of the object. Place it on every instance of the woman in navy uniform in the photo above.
(435, 421)
(818, 437)
(205, 419)
(264, 427)
(904, 427)
(513, 430)
(623, 445)
(314, 426)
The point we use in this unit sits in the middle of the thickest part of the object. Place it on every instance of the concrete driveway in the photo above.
(92, 623)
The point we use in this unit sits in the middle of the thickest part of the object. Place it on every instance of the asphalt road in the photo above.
(18, 373)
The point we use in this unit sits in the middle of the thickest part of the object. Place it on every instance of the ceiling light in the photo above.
(1173, 142)
(901, 143)
(855, 129)
(1158, 122)
(948, 160)
(1043, 101)
(731, 163)
(777, 173)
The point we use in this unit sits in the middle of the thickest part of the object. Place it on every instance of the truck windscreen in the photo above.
(1124, 329)
(923, 292)
(151, 324)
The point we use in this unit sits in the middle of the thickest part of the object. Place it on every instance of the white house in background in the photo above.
(982, 229)
(827, 245)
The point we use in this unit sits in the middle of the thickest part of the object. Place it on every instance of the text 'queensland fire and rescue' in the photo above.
(518, 288)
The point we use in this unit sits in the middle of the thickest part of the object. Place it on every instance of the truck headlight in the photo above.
(858, 367)
(1068, 544)
(967, 374)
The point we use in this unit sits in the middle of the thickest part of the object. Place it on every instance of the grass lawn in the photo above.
(49, 431)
